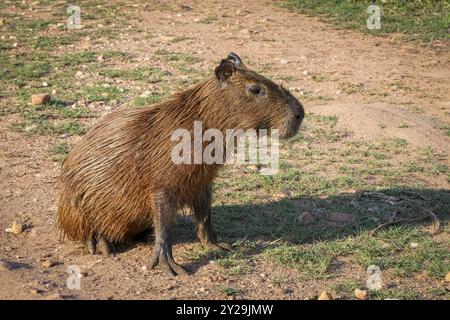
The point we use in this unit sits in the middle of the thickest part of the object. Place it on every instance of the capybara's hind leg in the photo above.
(100, 243)
(104, 246)
(164, 223)
(205, 231)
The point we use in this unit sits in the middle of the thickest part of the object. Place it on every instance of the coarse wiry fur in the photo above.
(111, 178)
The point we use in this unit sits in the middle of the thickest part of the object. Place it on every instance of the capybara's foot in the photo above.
(162, 257)
(216, 246)
(100, 244)
(208, 238)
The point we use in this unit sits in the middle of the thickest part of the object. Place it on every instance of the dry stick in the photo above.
(391, 222)
(389, 199)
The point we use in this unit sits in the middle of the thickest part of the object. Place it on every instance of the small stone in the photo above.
(54, 296)
(342, 217)
(79, 74)
(306, 72)
(40, 98)
(100, 58)
(48, 263)
(146, 94)
(414, 245)
(35, 291)
(285, 193)
(283, 61)
(325, 295)
(447, 277)
(306, 218)
(144, 268)
(253, 167)
(44, 84)
(17, 228)
(361, 294)
(54, 91)
(423, 276)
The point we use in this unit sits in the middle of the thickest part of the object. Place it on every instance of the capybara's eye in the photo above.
(255, 89)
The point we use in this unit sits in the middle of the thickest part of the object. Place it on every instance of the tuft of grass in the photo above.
(141, 101)
(47, 127)
(146, 74)
(231, 291)
(104, 93)
(59, 151)
(177, 56)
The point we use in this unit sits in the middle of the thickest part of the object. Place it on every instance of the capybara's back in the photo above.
(120, 180)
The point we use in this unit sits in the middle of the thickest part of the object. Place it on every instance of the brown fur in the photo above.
(115, 177)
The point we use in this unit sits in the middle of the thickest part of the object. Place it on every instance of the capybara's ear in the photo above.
(224, 71)
(233, 57)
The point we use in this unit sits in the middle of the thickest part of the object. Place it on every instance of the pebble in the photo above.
(306, 72)
(285, 193)
(253, 167)
(283, 61)
(306, 217)
(325, 295)
(40, 98)
(361, 294)
(447, 277)
(44, 84)
(48, 263)
(35, 291)
(54, 296)
(17, 228)
(414, 245)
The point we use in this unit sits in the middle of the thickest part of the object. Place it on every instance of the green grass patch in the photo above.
(423, 20)
(59, 151)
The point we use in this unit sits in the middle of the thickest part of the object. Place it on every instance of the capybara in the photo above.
(120, 180)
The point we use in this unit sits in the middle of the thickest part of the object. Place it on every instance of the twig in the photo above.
(391, 222)
(396, 201)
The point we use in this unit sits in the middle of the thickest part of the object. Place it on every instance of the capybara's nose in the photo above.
(300, 112)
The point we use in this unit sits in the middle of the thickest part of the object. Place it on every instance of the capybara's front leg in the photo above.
(202, 211)
(164, 224)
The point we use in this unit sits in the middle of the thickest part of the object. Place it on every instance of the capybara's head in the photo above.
(256, 101)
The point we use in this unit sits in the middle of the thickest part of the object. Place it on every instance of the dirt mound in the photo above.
(382, 121)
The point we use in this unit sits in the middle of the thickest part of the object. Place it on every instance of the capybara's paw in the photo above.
(100, 244)
(162, 257)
